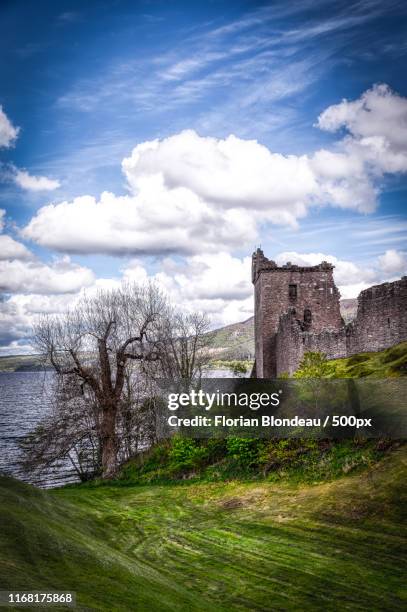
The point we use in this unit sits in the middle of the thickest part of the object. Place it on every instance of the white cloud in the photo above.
(203, 198)
(377, 124)
(155, 221)
(226, 173)
(62, 276)
(11, 249)
(193, 194)
(219, 285)
(34, 183)
(18, 313)
(8, 133)
(393, 262)
(344, 180)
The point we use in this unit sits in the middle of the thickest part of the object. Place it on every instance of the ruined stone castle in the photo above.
(297, 310)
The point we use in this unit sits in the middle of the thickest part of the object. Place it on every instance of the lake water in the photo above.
(24, 400)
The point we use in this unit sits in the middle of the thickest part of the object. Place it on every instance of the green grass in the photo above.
(238, 545)
(391, 362)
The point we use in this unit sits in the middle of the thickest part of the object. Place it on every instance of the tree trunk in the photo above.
(109, 441)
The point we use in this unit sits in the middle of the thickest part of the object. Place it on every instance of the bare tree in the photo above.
(93, 345)
(183, 342)
(67, 434)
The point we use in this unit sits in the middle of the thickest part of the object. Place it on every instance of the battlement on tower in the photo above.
(260, 263)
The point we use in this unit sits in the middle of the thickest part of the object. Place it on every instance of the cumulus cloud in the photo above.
(8, 133)
(203, 198)
(34, 183)
(219, 285)
(377, 127)
(229, 173)
(18, 312)
(14, 327)
(155, 221)
(393, 262)
(34, 276)
(11, 249)
(194, 194)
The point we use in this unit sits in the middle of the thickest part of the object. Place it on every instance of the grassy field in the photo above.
(237, 545)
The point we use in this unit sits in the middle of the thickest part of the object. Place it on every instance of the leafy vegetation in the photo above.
(289, 460)
(224, 524)
(313, 365)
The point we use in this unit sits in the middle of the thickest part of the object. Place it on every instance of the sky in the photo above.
(167, 140)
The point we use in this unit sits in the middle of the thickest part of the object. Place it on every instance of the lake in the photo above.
(24, 400)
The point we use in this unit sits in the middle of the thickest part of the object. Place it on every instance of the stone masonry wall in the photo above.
(292, 342)
(310, 291)
(381, 319)
(289, 323)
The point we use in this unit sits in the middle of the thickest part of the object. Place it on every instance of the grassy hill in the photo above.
(214, 546)
(20, 363)
(234, 341)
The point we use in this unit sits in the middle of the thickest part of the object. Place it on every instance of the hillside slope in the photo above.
(213, 546)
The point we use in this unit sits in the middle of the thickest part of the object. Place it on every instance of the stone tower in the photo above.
(308, 293)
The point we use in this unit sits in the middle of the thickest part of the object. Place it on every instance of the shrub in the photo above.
(245, 451)
(313, 365)
(186, 454)
(239, 367)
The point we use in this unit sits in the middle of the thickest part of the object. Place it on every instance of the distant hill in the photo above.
(348, 309)
(21, 363)
(235, 341)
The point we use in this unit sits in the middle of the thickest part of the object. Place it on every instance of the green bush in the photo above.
(186, 454)
(313, 365)
(245, 451)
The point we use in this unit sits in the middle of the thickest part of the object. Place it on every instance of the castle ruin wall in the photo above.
(297, 310)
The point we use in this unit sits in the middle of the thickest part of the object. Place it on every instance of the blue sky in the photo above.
(84, 83)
